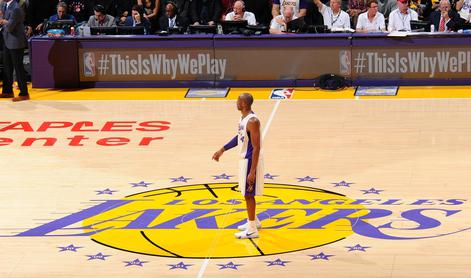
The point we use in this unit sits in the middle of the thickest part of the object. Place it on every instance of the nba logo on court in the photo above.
(344, 62)
(282, 93)
(89, 64)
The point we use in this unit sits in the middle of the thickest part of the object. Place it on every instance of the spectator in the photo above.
(101, 19)
(371, 20)
(445, 20)
(137, 19)
(298, 5)
(333, 16)
(464, 7)
(206, 12)
(279, 23)
(239, 13)
(171, 19)
(399, 19)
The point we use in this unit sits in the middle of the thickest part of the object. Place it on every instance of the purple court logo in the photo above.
(184, 221)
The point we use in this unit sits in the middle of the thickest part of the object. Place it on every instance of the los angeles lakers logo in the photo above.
(199, 221)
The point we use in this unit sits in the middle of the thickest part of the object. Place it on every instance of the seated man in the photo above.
(399, 19)
(445, 19)
(371, 20)
(101, 19)
(239, 13)
(61, 15)
(137, 19)
(333, 15)
(171, 18)
(279, 23)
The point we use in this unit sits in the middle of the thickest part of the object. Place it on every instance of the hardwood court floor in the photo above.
(408, 155)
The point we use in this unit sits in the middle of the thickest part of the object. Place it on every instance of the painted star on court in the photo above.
(223, 176)
(230, 265)
(320, 256)
(140, 184)
(99, 256)
(277, 262)
(71, 248)
(270, 177)
(180, 265)
(136, 262)
(371, 191)
(357, 247)
(180, 179)
(106, 191)
(307, 178)
(342, 183)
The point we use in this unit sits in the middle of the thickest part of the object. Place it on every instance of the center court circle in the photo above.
(199, 221)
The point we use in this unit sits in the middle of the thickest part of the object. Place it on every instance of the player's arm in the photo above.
(253, 127)
(226, 147)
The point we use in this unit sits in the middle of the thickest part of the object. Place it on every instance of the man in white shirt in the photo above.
(278, 24)
(333, 15)
(239, 13)
(399, 19)
(463, 7)
(371, 20)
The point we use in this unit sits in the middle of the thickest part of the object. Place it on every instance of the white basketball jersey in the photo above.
(244, 142)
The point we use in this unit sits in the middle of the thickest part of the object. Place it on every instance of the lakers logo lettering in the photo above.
(198, 221)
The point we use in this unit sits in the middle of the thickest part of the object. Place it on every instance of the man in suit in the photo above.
(445, 19)
(171, 19)
(14, 38)
(205, 12)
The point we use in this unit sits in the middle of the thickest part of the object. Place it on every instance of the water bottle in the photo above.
(72, 31)
(432, 28)
(220, 32)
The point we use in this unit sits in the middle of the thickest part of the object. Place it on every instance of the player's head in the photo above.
(244, 102)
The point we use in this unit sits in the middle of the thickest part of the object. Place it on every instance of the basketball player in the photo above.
(251, 163)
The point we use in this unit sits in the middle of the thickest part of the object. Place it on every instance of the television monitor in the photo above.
(419, 26)
(103, 30)
(131, 30)
(296, 25)
(59, 24)
(234, 26)
(203, 29)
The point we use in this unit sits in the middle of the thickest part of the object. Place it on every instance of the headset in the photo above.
(100, 9)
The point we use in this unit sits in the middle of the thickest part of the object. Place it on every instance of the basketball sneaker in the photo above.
(244, 227)
(247, 234)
